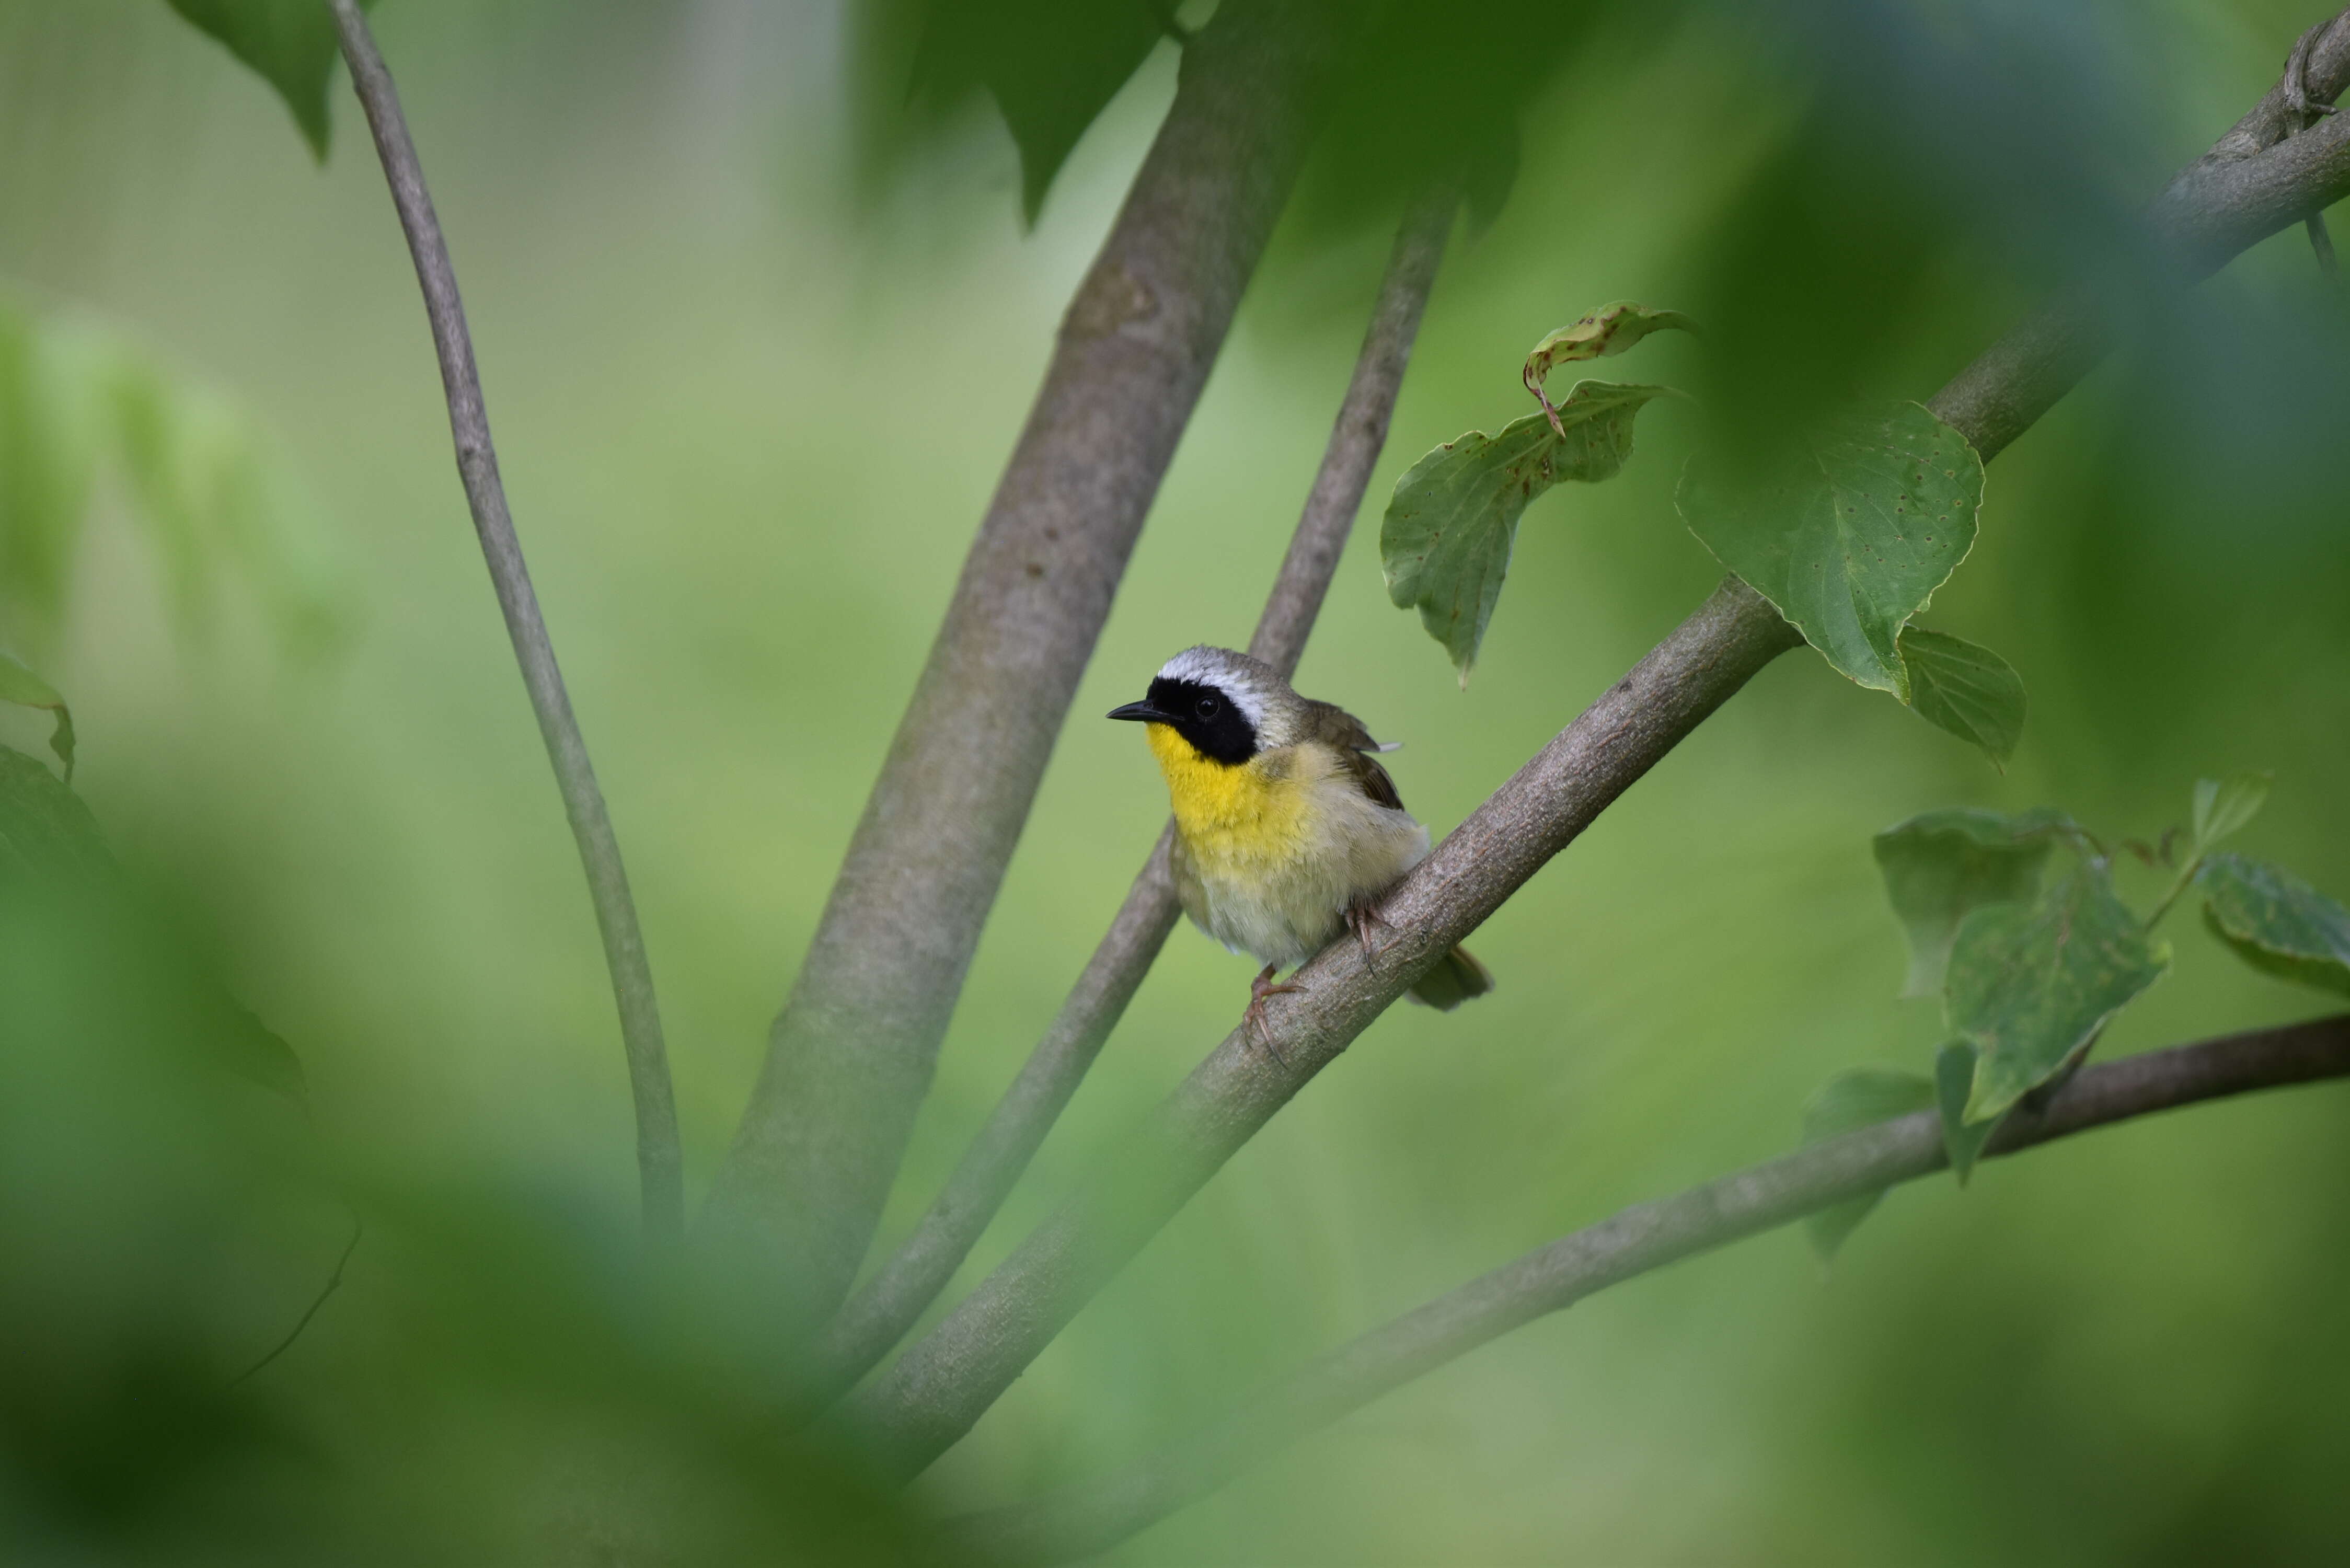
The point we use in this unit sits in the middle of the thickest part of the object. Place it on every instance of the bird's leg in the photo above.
(1259, 989)
(1360, 917)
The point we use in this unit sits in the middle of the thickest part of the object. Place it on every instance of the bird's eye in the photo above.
(1208, 707)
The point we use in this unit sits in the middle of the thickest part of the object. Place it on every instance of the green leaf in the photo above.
(1859, 1097)
(1850, 534)
(21, 686)
(1610, 329)
(289, 43)
(1940, 867)
(1446, 540)
(1954, 1077)
(2030, 986)
(2276, 922)
(48, 459)
(1966, 688)
(2223, 805)
(45, 828)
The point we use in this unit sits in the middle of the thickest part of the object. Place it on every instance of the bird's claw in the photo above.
(1360, 917)
(1254, 1018)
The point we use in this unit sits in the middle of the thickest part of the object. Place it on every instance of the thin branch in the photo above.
(1090, 1517)
(934, 1393)
(334, 1282)
(848, 1060)
(661, 1163)
(887, 1306)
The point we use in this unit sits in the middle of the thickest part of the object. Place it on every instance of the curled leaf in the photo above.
(1610, 329)
(2276, 922)
(1965, 689)
(1954, 1078)
(1445, 542)
(2224, 806)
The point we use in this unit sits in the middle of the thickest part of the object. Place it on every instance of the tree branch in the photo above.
(1082, 1519)
(943, 1384)
(851, 1056)
(881, 1311)
(661, 1164)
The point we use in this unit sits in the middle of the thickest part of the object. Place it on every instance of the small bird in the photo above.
(1287, 831)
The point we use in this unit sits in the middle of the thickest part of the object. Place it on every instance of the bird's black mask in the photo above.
(1202, 714)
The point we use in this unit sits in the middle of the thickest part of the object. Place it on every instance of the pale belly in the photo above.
(1283, 896)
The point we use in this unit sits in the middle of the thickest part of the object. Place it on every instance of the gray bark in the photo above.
(934, 1393)
(661, 1163)
(887, 1306)
(1090, 1517)
(851, 1054)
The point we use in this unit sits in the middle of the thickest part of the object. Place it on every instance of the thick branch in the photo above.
(1090, 1517)
(881, 1312)
(661, 1165)
(851, 1054)
(946, 1380)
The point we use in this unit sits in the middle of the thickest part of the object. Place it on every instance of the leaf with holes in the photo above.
(1848, 534)
(2029, 986)
(2224, 806)
(21, 686)
(2276, 922)
(1940, 867)
(1610, 329)
(1954, 1078)
(1966, 688)
(1446, 540)
(289, 43)
(1860, 1097)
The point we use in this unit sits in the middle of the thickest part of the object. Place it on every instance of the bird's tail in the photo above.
(1457, 977)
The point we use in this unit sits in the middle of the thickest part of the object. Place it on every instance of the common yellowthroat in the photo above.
(1287, 830)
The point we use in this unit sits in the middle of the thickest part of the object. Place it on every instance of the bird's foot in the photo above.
(1360, 917)
(1254, 1018)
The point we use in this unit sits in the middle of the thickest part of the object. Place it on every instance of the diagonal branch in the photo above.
(934, 1393)
(1090, 1517)
(851, 1056)
(885, 1307)
(661, 1165)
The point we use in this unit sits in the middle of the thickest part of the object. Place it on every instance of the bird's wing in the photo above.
(1344, 733)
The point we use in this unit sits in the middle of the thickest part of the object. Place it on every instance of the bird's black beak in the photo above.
(1142, 713)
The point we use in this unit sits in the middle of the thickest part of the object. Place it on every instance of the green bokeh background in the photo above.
(751, 403)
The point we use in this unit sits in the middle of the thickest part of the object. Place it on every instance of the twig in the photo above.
(943, 1384)
(885, 1307)
(847, 1061)
(334, 1282)
(1090, 1517)
(659, 1163)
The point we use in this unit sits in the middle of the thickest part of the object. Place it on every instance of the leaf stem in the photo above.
(661, 1163)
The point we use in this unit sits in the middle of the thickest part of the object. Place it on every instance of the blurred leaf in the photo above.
(1954, 1077)
(1944, 864)
(1966, 688)
(1859, 1097)
(26, 689)
(1850, 533)
(1051, 66)
(48, 458)
(45, 828)
(1449, 529)
(2224, 806)
(1610, 329)
(2276, 922)
(289, 43)
(2030, 986)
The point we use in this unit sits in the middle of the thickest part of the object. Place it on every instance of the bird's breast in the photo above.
(1233, 816)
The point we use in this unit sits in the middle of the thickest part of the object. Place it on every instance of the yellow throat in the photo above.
(1224, 810)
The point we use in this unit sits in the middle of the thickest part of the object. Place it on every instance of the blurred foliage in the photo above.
(79, 399)
(694, 317)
